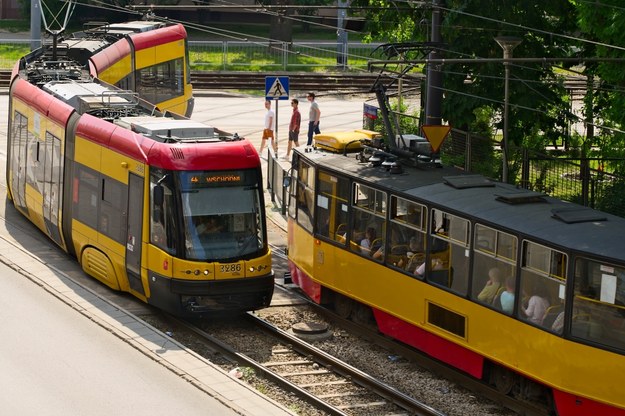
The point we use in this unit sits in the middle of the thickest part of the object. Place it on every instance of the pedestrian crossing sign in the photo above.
(277, 88)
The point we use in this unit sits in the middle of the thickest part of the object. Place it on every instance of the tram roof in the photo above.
(496, 204)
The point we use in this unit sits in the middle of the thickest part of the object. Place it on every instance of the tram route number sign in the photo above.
(276, 88)
(435, 134)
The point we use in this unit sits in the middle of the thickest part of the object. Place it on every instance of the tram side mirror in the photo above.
(286, 182)
(158, 195)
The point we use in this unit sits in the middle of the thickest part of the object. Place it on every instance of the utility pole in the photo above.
(507, 43)
(35, 25)
(341, 34)
(434, 94)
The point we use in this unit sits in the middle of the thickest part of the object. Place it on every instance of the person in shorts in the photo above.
(268, 129)
(296, 120)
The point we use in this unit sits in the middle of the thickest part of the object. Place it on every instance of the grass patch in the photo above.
(14, 26)
(11, 53)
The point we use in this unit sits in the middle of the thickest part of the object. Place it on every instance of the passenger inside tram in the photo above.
(537, 304)
(505, 301)
(492, 286)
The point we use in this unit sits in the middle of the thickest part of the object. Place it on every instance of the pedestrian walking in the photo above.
(268, 129)
(314, 115)
(294, 125)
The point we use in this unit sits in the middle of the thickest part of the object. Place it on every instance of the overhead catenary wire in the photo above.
(257, 39)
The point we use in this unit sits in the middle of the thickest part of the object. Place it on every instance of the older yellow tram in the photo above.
(516, 288)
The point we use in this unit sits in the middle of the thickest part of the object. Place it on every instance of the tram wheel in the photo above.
(343, 305)
(503, 379)
(362, 315)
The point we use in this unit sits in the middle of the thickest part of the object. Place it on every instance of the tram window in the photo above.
(293, 187)
(494, 261)
(368, 221)
(163, 227)
(85, 203)
(113, 208)
(125, 83)
(19, 137)
(305, 195)
(161, 82)
(448, 254)
(369, 199)
(52, 176)
(331, 210)
(542, 284)
(599, 303)
(408, 220)
(32, 163)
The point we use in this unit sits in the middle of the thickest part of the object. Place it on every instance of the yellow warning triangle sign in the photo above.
(435, 134)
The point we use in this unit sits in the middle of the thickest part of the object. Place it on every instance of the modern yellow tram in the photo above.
(165, 208)
(513, 287)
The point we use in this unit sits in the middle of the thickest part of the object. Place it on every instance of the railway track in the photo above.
(5, 77)
(324, 381)
(298, 82)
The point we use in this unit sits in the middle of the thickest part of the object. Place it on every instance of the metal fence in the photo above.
(277, 170)
(284, 56)
(250, 55)
(591, 182)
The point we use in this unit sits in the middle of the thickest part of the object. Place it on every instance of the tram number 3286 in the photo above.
(230, 268)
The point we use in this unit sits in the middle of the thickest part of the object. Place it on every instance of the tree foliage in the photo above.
(603, 25)
(537, 99)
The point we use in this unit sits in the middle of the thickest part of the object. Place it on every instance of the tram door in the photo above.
(52, 185)
(133, 240)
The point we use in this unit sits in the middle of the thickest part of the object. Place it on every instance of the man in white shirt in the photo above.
(268, 130)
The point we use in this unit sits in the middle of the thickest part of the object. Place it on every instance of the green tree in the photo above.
(603, 24)
(537, 96)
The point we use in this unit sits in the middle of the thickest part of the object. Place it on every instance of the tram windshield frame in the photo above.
(208, 215)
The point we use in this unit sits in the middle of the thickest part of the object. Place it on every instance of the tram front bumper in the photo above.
(190, 299)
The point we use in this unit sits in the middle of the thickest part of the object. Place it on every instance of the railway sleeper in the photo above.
(305, 373)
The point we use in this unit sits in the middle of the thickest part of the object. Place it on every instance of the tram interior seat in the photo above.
(497, 299)
(376, 244)
(551, 314)
(399, 249)
(398, 254)
(443, 277)
(340, 233)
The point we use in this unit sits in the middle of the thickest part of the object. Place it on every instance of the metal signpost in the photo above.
(276, 88)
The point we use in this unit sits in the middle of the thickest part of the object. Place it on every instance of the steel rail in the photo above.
(365, 380)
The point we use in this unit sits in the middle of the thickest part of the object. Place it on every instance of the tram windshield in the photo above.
(220, 214)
